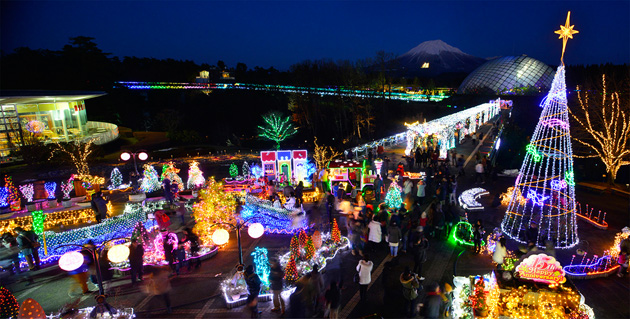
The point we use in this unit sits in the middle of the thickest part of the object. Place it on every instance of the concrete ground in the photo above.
(196, 294)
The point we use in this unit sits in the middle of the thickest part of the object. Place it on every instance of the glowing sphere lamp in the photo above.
(118, 253)
(143, 156)
(71, 260)
(220, 237)
(256, 230)
(125, 156)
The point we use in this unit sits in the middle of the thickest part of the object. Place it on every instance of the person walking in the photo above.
(477, 235)
(13, 252)
(276, 277)
(333, 300)
(479, 173)
(253, 287)
(500, 252)
(420, 193)
(410, 284)
(299, 193)
(393, 237)
(374, 233)
(157, 283)
(80, 275)
(101, 205)
(317, 282)
(452, 191)
(27, 241)
(364, 268)
(136, 258)
(420, 248)
(407, 188)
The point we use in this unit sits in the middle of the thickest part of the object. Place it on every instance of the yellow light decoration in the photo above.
(118, 253)
(215, 206)
(220, 237)
(505, 197)
(52, 220)
(566, 32)
(92, 179)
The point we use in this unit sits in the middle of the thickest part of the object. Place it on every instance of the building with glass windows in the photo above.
(27, 117)
(509, 75)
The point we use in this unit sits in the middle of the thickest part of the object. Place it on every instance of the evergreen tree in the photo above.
(233, 170)
(246, 168)
(393, 198)
(294, 247)
(309, 249)
(116, 178)
(169, 171)
(335, 233)
(150, 181)
(290, 271)
(11, 189)
(195, 176)
(214, 206)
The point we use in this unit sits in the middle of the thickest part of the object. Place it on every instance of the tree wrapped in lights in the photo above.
(195, 176)
(67, 187)
(50, 188)
(393, 198)
(294, 247)
(9, 306)
(38, 221)
(11, 189)
(290, 271)
(214, 206)
(28, 191)
(335, 233)
(309, 249)
(603, 128)
(323, 155)
(546, 176)
(233, 170)
(150, 179)
(116, 178)
(78, 152)
(276, 128)
(303, 238)
(170, 171)
(246, 169)
(261, 263)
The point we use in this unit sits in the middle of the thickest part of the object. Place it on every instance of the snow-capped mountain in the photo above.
(435, 57)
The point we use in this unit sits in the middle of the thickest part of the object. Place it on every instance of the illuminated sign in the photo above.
(541, 268)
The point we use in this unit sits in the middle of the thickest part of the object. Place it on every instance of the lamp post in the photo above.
(221, 236)
(142, 155)
(72, 260)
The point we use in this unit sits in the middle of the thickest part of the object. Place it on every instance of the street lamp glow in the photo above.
(255, 230)
(71, 260)
(125, 156)
(118, 253)
(143, 156)
(220, 236)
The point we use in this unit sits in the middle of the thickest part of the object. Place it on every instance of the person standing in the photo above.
(479, 172)
(410, 284)
(27, 241)
(453, 191)
(418, 157)
(379, 188)
(190, 237)
(460, 166)
(393, 237)
(433, 302)
(407, 188)
(420, 193)
(333, 300)
(9, 242)
(253, 287)
(80, 275)
(330, 206)
(420, 248)
(299, 193)
(500, 252)
(365, 275)
(276, 276)
(477, 235)
(136, 258)
(374, 233)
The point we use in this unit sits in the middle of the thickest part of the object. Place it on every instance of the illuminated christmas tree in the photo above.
(169, 171)
(38, 221)
(335, 234)
(4, 197)
(50, 188)
(290, 271)
(195, 176)
(28, 192)
(9, 306)
(233, 170)
(546, 176)
(393, 199)
(246, 169)
(294, 247)
(261, 263)
(11, 189)
(116, 178)
(303, 238)
(309, 249)
(214, 206)
(67, 187)
(150, 179)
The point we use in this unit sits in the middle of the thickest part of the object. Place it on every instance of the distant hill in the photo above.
(432, 58)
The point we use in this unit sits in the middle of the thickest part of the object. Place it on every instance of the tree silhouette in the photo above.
(276, 128)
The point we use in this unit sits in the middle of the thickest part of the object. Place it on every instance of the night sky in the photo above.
(264, 33)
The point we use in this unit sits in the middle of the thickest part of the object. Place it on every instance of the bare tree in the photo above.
(603, 128)
(324, 154)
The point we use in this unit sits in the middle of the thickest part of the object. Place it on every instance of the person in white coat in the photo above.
(500, 252)
(374, 234)
(365, 275)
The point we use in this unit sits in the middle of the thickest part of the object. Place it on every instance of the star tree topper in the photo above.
(566, 32)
